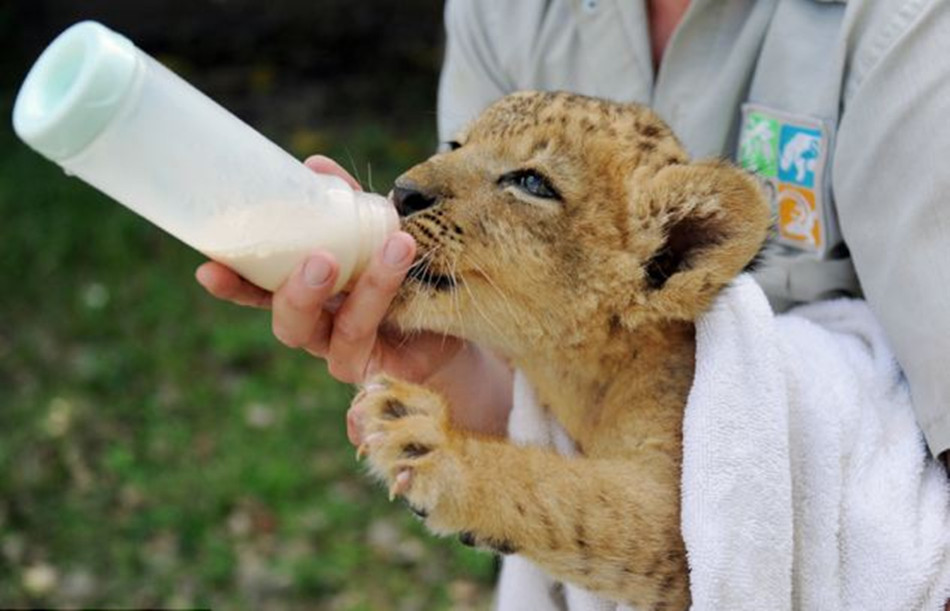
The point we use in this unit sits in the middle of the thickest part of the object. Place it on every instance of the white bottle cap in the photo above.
(74, 89)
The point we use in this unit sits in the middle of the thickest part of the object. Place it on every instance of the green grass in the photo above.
(160, 448)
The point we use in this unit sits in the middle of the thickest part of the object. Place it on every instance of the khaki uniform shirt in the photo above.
(859, 92)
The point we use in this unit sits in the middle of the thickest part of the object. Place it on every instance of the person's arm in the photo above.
(472, 74)
(891, 180)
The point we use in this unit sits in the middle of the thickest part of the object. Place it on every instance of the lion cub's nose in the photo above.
(408, 199)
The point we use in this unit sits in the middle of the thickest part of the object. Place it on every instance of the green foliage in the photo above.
(159, 448)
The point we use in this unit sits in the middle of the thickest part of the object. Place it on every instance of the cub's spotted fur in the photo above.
(575, 237)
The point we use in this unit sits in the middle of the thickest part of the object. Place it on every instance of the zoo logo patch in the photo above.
(790, 154)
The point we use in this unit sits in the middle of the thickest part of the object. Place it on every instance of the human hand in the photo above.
(344, 330)
(348, 331)
(224, 283)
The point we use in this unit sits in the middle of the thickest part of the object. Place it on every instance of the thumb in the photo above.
(324, 165)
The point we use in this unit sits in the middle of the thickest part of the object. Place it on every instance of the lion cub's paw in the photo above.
(406, 440)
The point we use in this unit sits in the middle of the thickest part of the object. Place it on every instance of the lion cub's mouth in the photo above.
(424, 275)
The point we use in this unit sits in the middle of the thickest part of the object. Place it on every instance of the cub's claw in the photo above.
(400, 484)
(401, 429)
(364, 448)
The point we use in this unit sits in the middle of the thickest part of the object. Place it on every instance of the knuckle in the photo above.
(317, 352)
(340, 370)
(284, 335)
(381, 282)
(279, 305)
(351, 331)
(301, 301)
(317, 348)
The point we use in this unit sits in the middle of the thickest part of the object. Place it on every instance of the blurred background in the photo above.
(159, 448)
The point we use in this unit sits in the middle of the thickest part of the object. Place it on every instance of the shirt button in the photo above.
(589, 5)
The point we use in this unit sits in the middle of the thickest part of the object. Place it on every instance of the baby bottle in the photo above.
(110, 114)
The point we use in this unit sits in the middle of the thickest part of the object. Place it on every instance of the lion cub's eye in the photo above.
(453, 145)
(531, 182)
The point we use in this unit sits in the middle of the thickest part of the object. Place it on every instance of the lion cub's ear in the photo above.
(706, 222)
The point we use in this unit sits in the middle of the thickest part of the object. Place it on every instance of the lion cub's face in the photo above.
(546, 221)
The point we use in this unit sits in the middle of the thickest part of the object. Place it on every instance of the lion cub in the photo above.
(574, 237)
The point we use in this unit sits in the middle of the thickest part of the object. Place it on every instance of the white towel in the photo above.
(806, 482)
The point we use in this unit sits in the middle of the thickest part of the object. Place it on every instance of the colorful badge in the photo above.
(791, 154)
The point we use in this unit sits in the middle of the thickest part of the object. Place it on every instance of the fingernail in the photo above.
(202, 275)
(396, 251)
(317, 271)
